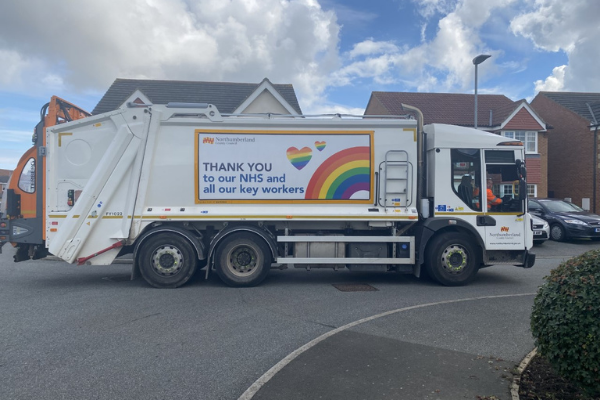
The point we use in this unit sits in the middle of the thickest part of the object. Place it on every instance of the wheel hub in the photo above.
(243, 260)
(454, 259)
(167, 260)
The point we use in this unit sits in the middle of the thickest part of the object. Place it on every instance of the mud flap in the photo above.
(529, 260)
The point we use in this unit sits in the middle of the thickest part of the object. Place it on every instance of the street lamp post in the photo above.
(594, 125)
(476, 61)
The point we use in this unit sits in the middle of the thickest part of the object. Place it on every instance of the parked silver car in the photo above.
(541, 229)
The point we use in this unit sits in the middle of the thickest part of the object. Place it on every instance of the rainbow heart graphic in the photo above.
(299, 158)
(320, 145)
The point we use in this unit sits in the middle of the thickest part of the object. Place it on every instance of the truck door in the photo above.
(505, 220)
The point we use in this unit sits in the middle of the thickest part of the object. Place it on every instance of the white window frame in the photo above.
(529, 139)
(531, 188)
(505, 189)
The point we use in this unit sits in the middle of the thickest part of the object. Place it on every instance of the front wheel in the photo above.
(452, 260)
(167, 260)
(243, 259)
(557, 233)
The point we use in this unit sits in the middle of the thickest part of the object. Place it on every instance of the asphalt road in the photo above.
(69, 332)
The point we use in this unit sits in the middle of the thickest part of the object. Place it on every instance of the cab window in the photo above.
(502, 182)
(466, 164)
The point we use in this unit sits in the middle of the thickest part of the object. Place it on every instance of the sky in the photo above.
(334, 52)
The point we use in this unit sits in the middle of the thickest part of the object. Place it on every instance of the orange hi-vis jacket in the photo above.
(491, 198)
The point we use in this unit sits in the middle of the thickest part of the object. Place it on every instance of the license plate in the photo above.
(537, 233)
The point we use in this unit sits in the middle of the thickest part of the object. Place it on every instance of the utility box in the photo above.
(585, 203)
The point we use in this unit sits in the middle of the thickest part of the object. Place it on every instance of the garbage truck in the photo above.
(183, 188)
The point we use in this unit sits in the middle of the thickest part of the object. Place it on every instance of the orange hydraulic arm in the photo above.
(60, 111)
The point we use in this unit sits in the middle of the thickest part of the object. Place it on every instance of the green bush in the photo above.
(566, 320)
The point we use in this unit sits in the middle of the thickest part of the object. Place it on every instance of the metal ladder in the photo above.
(396, 175)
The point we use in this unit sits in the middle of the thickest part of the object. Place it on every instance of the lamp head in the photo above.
(480, 58)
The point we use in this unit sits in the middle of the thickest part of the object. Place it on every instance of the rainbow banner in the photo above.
(286, 167)
(342, 175)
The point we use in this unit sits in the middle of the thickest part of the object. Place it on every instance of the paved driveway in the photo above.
(73, 332)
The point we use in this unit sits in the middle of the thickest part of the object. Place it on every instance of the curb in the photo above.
(514, 388)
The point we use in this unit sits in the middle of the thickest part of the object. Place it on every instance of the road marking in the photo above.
(266, 377)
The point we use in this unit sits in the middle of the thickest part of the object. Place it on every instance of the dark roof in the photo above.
(451, 108)
(578, 103)
(226, 96)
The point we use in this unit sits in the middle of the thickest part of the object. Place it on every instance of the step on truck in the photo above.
(185, 188)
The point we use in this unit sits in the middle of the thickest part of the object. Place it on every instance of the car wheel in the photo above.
(557, 233)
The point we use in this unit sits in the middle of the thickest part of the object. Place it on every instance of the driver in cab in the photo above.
(492, 200)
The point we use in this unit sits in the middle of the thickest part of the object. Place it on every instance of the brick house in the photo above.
(228, 97)
(495, 113)
(571, 145)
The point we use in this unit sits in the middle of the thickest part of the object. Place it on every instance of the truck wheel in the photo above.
(557, 233)
(452, 260)
(243, 259)
(167, 260)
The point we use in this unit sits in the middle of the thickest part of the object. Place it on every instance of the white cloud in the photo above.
(442, 64)
(428, 8)
(557, 25)
(369, 47)
(86, 47)
(571, 27)
(553, 83)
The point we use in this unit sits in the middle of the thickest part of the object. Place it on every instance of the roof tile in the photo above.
(226, 96)
(451, 108)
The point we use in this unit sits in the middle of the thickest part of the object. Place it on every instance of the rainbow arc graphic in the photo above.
(341, 176)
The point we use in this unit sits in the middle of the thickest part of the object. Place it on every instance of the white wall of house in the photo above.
(265, 102)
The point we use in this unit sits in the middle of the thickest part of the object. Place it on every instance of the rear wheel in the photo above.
(167, 260)
(452, 260)
(557, 233)
(243, 259)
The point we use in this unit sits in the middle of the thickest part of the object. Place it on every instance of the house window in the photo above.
(529, 139)
(531, 190)
(504, 190)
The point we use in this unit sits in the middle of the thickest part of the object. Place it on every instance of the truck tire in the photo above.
(243, 260)
(452, 260)
(167, 260)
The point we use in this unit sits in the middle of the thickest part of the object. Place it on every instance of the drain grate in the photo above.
(354, 287)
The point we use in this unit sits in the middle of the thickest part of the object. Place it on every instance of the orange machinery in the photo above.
(22, 221)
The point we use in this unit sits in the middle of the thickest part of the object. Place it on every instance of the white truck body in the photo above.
(313, 192)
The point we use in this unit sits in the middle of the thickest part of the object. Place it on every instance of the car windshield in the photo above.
(561, 206)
